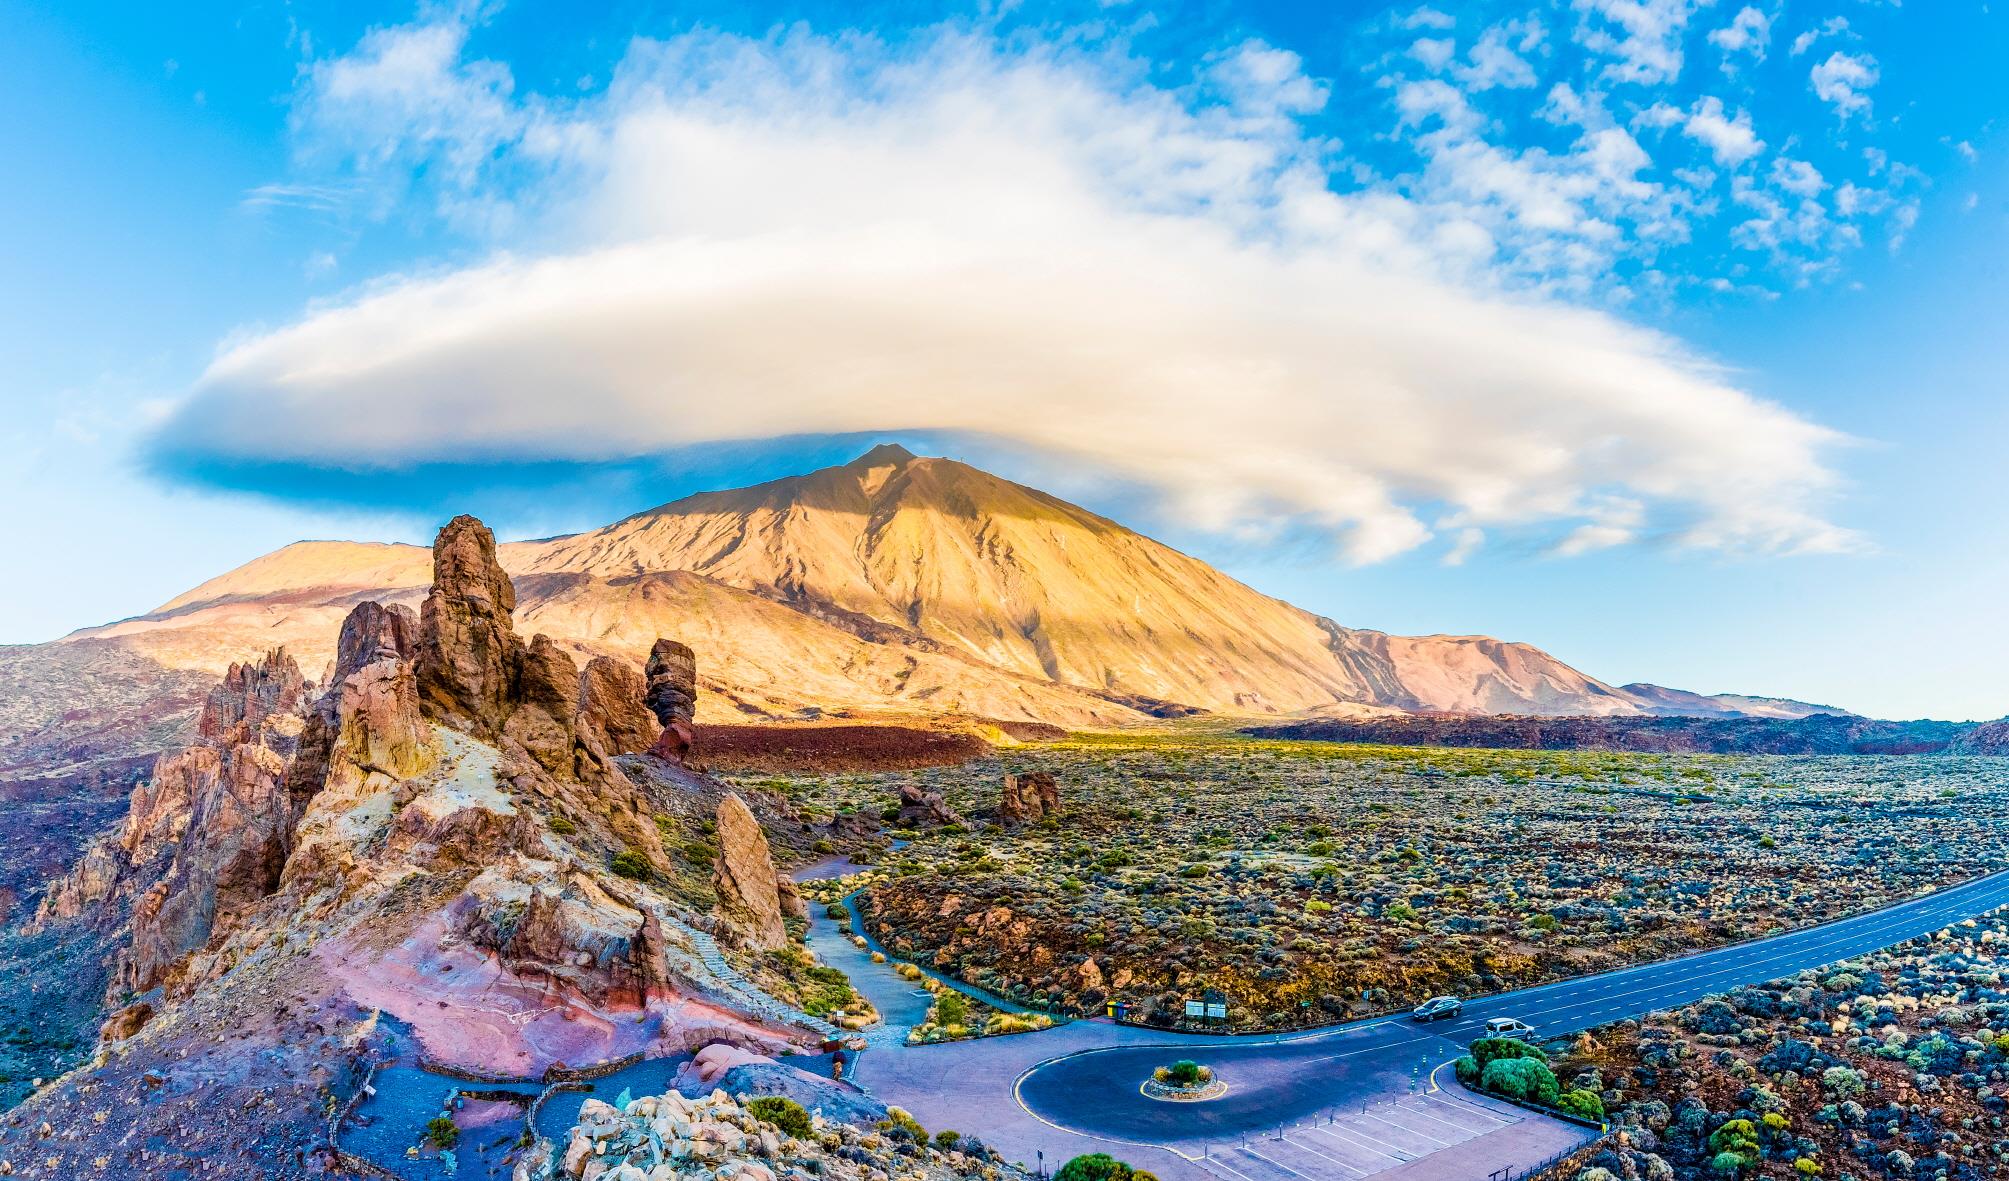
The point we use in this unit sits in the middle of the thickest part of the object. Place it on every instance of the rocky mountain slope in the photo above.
(909, 584)
(457, 847)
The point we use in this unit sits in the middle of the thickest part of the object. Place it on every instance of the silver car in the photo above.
(1437, 1008)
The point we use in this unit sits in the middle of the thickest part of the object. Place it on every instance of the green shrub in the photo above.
(1486, 1049)
(1524, 1079)
(947, 1140)
(902, 1126)
(785, 1114)
(1542, 922)
(951, 1008)
(1467, 1070)
(1738, 1140)
(837, 911)
(1099, 1166)
(1582, 1104)
(563, 827)
(629, 863)
(442, 1132)
(1184, 1073)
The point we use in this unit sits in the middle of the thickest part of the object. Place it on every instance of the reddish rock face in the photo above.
(230, 851)
(1028, 798)
(611, 714)
(468, 652)
(744, 876)
(371, 631)
(541, 709)
(250, 693)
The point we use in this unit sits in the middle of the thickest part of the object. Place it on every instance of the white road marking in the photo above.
(1354, 1139)
(1326, 1156)
(1412, 1131)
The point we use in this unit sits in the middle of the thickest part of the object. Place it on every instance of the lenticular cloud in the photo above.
(743, 238)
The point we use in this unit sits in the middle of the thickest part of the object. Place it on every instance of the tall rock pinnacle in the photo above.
(468, 651)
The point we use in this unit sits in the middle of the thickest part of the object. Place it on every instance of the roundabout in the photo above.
(1097, 1092)
(1185, 1081)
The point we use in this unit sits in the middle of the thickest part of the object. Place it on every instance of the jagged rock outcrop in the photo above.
(229, 857)
(1028, 798)
(543, 705)
(613, 714)
(744, 876)
(673, 697)
(371, 632)
(249, 694)
(561, 926)
(468, 651)
(204, 837)
(924, 809)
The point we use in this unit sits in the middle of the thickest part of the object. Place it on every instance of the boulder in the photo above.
(1028, 798)
(924, 809)
(468, 651)
(126, 1022)
(744, 876)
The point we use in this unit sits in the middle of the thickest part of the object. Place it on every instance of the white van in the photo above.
(1508, 1027)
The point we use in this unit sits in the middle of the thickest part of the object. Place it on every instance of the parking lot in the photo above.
(1350, 1143)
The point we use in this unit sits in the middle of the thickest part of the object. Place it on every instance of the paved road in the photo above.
(1342, 1103)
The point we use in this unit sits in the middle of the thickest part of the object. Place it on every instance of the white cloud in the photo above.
(1496, 60)
(1834, 26)
(1841, 80)
(1797, 177)
(1729, 138)
(746, 238)
(1749, 32)
(1641, 38)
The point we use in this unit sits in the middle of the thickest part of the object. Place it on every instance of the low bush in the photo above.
(1524, 1079)
(785, 1114)
(1100, 1166)
(442, 1132)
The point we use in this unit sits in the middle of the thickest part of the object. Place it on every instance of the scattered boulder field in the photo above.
(1894, 1064)
(1311, 882)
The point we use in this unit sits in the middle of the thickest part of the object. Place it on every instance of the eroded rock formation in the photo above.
(468, 652)
(612, 712)
(1028, 798)
(744, 876)
(673, 697)
(924, 809)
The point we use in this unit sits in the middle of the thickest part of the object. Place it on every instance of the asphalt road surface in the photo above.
(1351, 1101)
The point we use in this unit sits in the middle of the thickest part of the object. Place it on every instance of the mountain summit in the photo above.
(904, 583)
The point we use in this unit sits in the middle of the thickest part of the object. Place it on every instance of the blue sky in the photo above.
(1663, 335)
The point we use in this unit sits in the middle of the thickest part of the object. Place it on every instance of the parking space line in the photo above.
(1412, 1131)
(1451, 1123)
(1279, 1164)
(1327, 1156)
(1502, 1119)
(1211, 1162)
(1361, 1140)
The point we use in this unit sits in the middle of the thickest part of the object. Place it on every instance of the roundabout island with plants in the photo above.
(1184, 1081)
